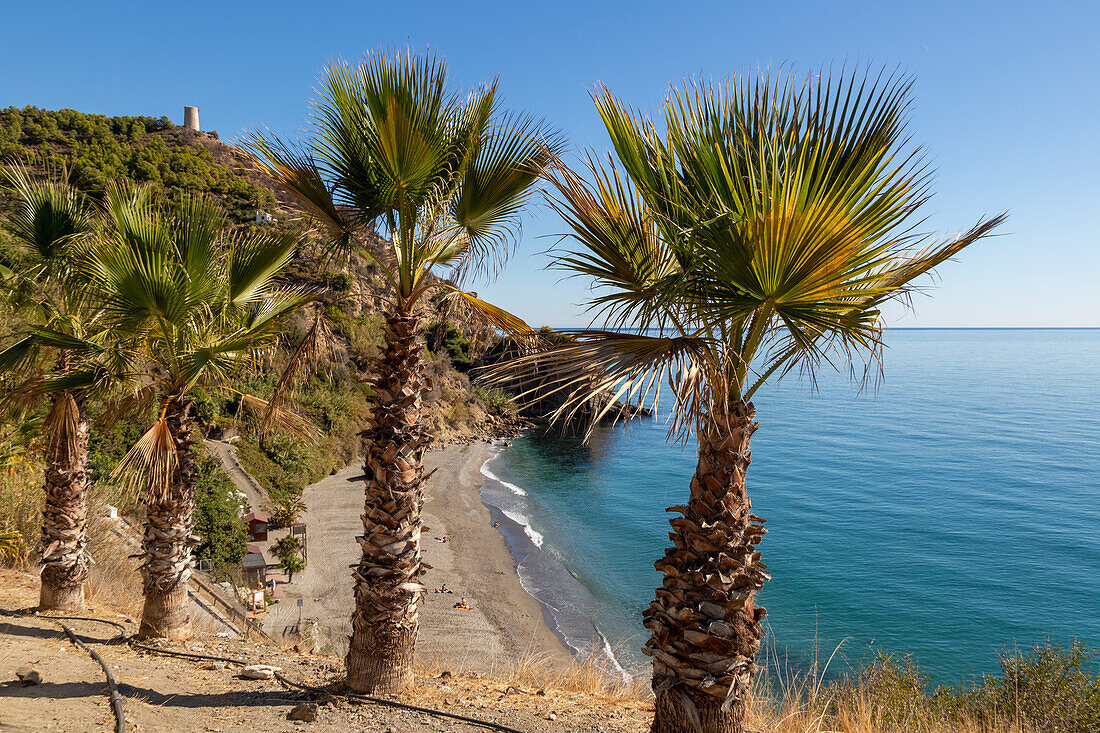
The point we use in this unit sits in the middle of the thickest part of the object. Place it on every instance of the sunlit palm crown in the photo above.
(51, 226)
(200, 300)
(443, 174)
(190, 303)
(760, 231)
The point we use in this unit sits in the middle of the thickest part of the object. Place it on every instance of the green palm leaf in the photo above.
(773, 218)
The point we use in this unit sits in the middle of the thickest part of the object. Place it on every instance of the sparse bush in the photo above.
(21, 502)
(1052, 688)
(497, 401)
(1048, 689)
(13, 550)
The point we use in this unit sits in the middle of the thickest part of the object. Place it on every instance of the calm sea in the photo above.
(951, 513)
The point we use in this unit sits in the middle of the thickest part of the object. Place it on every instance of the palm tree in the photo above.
(199, 304)
(444, 176)
(760, 233)
(52, 222)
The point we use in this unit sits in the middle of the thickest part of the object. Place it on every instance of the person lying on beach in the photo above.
(496, 524)
(443, 589)
(441, 539)
(462, 605)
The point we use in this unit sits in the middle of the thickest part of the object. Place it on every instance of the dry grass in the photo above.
(21, 501)
(1045, 689)
(588, 677)
(113, 579)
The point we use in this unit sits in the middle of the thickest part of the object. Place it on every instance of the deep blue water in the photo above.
(952, 512)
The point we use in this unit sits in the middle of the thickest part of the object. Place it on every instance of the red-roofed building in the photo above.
(257, 526)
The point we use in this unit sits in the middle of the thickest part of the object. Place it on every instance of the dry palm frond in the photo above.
(62, 425)
(486, 312)
(316, 350)
(26, 396)
(151, 462)
(282, 418)
(130, 404)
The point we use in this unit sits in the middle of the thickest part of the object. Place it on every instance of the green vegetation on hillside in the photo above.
(95, 149)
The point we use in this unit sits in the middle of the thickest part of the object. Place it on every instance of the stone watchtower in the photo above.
(191, 118)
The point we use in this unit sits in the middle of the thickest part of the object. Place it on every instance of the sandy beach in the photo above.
(505, 624)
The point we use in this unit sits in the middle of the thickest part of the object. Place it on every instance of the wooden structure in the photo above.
(298, 530)
(254, 567)
(257, 526)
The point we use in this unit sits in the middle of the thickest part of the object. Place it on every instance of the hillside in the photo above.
(94, 149)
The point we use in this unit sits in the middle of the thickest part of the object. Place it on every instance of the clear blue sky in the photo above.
(1007, 101)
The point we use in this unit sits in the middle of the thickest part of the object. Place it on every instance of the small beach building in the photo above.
(257, 526)
(254, 567)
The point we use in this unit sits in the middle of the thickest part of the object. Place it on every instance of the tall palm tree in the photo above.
(51, 223)
(443, 175)
(199, 304)
(760, 232)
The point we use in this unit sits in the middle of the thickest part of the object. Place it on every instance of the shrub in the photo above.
(497, 401)
(444, 337)
(96, 149)
(1051, 687)
(1048, 689)
(218, 515)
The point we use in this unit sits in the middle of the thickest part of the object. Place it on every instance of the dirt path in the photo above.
(172, 695)
(226, 453)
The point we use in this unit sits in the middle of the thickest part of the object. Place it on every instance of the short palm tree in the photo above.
(761, 232)
(199, 304)
(444, 176)
(50, 226)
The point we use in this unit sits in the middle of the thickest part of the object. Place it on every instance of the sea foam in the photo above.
(490, 475)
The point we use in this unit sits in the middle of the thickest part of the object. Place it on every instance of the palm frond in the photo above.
(16, 357)
(591, 374)
(510, 155)
(150, 464)
(254, 261)
(315, 350)
(49, 214)
(297, 173)
(277, 416)
(774, 216)
(497, 317)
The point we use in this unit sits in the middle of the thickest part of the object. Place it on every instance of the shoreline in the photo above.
(567, 602)
(506, 624)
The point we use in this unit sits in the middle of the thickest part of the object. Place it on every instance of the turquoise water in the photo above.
(951, 513)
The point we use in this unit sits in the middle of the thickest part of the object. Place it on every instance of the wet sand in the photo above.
(506, 623)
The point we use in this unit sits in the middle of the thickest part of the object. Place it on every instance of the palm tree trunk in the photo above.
(167, 542)
(387, 587)
(65, 517)
(705, 627)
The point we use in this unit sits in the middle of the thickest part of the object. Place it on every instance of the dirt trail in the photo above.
(250, 487)
(174, 695)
